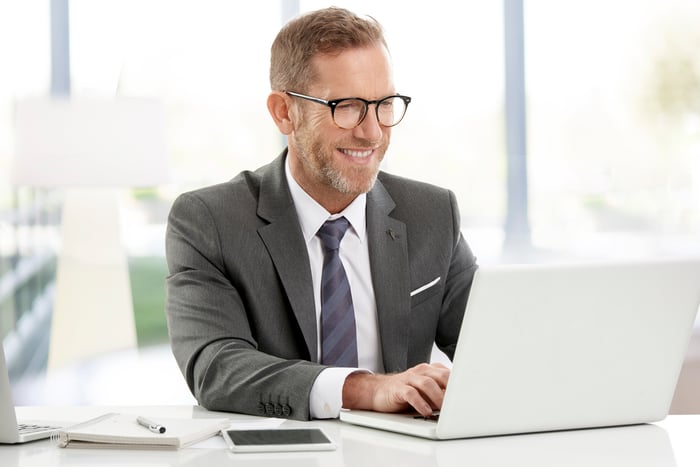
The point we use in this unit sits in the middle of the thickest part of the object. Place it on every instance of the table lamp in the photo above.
(92, 148)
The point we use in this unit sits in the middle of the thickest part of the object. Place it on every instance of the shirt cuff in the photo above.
(326, 398)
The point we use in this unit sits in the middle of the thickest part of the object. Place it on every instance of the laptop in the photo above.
(560, 347)
(11, 431)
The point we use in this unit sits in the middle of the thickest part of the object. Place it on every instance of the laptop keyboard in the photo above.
(431, 418)
(25, 429)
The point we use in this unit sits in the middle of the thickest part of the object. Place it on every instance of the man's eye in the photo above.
(347, 106)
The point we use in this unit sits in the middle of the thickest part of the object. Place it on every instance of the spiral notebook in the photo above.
(122, 431)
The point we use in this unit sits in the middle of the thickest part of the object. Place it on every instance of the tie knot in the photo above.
(332, 232)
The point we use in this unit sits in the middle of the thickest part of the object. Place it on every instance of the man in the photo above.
(247, 258)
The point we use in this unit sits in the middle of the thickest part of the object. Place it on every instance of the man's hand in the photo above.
(421, 387)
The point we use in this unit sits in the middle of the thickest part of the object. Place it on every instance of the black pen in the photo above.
(151, 425)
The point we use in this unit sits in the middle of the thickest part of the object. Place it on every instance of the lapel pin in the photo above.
(392, 234)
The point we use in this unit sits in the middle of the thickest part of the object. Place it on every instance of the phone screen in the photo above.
(278, 440)
(277, 437)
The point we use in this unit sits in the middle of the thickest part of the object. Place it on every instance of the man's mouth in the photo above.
(355, 153)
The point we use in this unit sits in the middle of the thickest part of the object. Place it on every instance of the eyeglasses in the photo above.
(349, 112)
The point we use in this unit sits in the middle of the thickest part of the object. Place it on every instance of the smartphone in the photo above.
(278, 440)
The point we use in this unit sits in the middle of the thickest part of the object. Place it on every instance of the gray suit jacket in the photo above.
(240, 304)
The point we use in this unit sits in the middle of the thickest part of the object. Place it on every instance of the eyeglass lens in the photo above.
(350, 112)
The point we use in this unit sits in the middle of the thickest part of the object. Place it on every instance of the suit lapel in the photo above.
(388, 255)
(285, 243)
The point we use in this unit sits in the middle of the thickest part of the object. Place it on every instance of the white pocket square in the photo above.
(426, 286)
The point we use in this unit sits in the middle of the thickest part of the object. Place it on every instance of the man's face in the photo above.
(332, 163)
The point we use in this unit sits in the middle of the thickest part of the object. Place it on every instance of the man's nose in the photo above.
(370, 129)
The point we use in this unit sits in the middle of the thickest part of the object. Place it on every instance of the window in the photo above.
(614, 127)
(613, 116)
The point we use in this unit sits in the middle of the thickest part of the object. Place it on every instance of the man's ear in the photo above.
(278, 106)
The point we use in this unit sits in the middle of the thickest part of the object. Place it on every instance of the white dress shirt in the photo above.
(326, 393)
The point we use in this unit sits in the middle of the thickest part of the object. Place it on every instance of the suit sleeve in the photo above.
(462, 267)
(209, 327)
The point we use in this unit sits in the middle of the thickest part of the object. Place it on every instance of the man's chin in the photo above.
(355, 187)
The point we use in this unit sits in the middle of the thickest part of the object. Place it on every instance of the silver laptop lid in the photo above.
(549, 347)
(8, 419)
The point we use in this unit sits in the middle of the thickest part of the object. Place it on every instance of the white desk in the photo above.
(672, 442)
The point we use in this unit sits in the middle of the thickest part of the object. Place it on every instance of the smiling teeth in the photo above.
(357, 153)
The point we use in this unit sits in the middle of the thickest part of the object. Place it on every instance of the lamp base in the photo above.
(93, 309)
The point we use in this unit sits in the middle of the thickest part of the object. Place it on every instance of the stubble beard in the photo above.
(320, 163)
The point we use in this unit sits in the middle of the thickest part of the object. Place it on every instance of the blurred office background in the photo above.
(568, 130)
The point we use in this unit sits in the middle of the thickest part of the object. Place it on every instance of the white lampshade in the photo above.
(69, 142)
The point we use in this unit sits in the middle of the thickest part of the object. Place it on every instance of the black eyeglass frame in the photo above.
(332, 104)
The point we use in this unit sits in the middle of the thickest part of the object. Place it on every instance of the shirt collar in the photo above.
(312, 215)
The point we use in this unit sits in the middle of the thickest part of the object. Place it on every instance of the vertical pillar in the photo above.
(517, 226)
(60, 48)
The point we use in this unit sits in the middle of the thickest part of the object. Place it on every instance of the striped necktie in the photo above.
(338, 334)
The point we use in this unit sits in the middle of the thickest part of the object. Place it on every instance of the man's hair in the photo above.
(328, 31)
